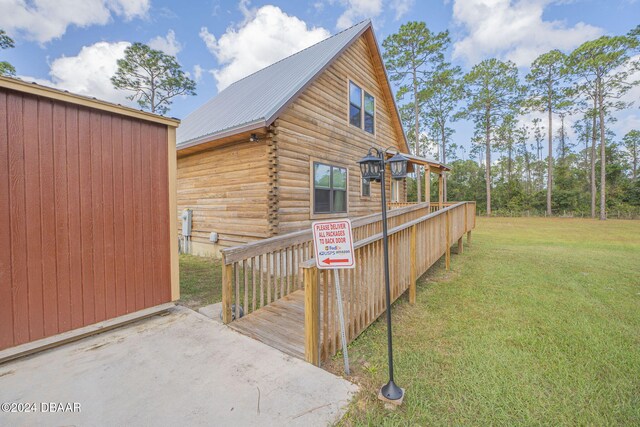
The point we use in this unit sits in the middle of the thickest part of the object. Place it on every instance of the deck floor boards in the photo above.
(279, 325)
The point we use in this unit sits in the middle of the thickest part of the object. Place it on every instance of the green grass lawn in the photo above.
(538, 323)
(200, 281)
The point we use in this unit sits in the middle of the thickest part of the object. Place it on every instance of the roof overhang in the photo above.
(257, 124)
(273, 115)
(424, 161)
(211, 143)
(370, 38)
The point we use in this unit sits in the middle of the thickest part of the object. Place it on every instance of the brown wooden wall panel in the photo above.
(84, 197)
(6, 306)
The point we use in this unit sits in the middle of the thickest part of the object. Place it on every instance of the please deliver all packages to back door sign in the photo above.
(333, 243)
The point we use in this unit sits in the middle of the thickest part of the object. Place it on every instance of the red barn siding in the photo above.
(84, 197)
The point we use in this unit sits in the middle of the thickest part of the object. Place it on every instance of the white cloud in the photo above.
(248, 12)
(358, 10)
(129, 9)
(197, 72)
(209, 39)
(629, 118)
(266, 36)
(89, 72)
(514, 30)
(168, 44)
(633, 95)
(45, 20)
(401, 7)
(625, 123)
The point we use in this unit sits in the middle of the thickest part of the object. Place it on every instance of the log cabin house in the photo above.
(277, 149)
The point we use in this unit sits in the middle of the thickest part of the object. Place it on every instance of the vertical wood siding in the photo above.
(85, 216)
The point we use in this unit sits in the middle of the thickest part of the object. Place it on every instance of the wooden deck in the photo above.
(417, 240)
(279, 325)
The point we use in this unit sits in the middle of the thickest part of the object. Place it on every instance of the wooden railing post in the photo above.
(227, 278)
(441, 189)
(474, 215)
(412, 276)
(427, 184)
(447, 258)
(466, 215)
(311, 315)
(471, 226)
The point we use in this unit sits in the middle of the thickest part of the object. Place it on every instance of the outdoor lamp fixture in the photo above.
(373, 169)
(398, 166)
(370, 166)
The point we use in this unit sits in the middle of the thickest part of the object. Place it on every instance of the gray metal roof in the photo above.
(256, 100)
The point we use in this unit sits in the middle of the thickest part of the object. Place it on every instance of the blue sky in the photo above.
(73, 44)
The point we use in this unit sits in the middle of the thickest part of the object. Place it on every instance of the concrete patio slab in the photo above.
(177, 369)
(213, 311)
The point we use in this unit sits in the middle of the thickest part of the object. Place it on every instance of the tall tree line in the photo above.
(581, 91)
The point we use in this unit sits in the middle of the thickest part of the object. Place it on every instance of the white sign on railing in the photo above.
(333, 243)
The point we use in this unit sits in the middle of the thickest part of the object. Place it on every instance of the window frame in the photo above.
(364, 92)
(364, 112)
(312, 207)
(360, 108)
(362, 187)
(395, 190)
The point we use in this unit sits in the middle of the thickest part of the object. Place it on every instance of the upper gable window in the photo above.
(364, 118)
(369, 109)
(355, 105)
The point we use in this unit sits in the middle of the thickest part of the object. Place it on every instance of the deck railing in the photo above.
(414, 246)
(437, 206)
(434, 206)
(396, 205)
(259, 273)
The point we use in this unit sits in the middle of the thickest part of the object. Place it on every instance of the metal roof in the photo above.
(256, 100)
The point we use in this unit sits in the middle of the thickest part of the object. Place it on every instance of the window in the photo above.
(369, 109)
(365, 188)
(364, 118)
(355, 105)
(395, 190)
(329, 188)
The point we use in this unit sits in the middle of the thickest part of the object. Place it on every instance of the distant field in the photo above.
(538, 323)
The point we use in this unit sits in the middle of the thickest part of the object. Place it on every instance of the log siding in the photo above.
(316, 128)
(232, 190)
(246, 191)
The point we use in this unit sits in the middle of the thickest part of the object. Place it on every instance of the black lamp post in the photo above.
(373, 169)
